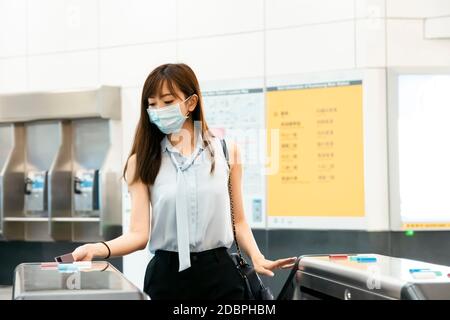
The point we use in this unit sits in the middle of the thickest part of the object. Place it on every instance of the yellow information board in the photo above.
(426, 226)
(320, 155)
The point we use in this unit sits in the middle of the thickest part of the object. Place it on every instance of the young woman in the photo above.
(178, 166)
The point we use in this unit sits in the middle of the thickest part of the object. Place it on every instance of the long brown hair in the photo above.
(147, 139)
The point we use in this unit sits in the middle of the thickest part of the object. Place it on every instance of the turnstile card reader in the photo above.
(366, 277)
(73, 281)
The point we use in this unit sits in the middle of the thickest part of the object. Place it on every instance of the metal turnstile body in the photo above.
(99, 281)
(372, 277)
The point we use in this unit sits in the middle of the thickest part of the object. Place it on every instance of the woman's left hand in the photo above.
(265, 267)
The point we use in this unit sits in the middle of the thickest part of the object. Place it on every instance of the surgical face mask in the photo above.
(168, 119)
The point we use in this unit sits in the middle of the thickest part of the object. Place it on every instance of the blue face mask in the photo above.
(168, 119)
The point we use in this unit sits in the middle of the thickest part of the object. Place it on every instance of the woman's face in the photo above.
(165, 98)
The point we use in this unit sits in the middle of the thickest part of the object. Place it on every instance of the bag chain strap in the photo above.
(225, 151)
(241, 259)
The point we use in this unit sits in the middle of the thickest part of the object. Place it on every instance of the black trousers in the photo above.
(212, 275)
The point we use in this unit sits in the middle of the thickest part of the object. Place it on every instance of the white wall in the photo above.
(54, 44)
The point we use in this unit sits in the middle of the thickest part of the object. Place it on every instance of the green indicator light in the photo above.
(409, 233)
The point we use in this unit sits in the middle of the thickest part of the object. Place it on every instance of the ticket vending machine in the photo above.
(5, 147)
(28, 174)
(96, 187)
(60, 165)
(43, 140)
(11, 175)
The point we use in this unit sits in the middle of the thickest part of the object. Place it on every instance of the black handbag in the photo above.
(254, 287)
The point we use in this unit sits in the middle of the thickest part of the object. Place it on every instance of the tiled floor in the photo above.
(5, 292)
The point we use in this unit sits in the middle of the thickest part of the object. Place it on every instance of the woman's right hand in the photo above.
(85, 252)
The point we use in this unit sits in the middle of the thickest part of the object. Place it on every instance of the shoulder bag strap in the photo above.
(227, 157)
